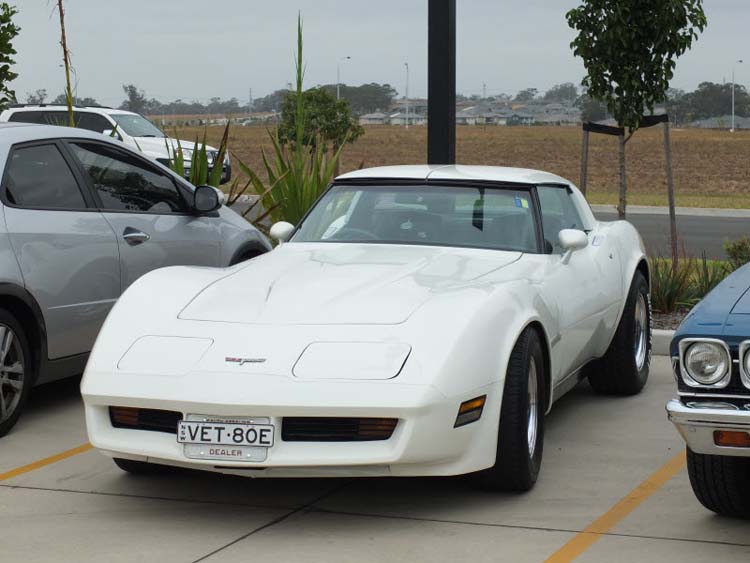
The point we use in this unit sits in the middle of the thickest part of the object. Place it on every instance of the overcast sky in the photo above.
(196, 49)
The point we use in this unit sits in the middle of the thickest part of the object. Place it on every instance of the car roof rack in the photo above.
(55, 106)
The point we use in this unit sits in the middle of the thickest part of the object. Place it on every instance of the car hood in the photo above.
(331, 283)
(156, 147)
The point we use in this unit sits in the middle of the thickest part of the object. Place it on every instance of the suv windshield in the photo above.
(137, 125)
(477, 217)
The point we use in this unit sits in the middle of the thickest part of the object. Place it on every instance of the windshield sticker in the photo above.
(522, 203)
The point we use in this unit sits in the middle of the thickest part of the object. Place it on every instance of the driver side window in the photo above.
(124, 183)
(558, 213)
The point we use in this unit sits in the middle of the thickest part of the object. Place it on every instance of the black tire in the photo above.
(141, 467)
(721, 483)
(13, 399)
(618, 372)
(516, 468)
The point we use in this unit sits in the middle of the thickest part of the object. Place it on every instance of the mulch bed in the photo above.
(669, 321)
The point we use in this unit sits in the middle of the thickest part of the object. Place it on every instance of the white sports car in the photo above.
(420, 320)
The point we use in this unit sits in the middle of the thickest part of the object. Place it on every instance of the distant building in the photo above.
(376, 118)
(399, 118)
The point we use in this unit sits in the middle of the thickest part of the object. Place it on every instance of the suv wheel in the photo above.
(15, 370)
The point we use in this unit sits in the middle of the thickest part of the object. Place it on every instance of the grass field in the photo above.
(711, 168)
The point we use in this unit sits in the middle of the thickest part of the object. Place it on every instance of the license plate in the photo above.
(225, 439)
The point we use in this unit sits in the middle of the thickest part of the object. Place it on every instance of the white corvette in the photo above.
(420, 320)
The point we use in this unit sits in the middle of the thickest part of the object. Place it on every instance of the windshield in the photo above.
(137, 126)
(494, 218)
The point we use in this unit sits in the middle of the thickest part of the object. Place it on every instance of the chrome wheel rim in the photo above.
(533, 412)
(641, 331)
(11, 372)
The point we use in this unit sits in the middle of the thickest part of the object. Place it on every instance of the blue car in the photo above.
(711, 361)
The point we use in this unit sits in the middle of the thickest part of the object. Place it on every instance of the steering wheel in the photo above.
(351, 233)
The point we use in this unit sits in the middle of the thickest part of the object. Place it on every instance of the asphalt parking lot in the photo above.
(613, 488)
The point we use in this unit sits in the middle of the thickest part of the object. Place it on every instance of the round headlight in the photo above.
(747, 363)
(706, 362)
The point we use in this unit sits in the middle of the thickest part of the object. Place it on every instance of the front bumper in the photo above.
(423, 443)
(697, 427)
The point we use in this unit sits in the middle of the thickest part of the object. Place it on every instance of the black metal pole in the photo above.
(441, 83)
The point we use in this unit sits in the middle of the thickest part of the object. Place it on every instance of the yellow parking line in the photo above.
(44, 462)
(618, 512)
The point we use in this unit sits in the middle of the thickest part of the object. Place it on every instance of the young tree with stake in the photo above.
(629, 49)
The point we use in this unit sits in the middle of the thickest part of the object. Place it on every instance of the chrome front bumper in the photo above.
(697, 427)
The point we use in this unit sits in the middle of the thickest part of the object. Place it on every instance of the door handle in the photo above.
(134, 237)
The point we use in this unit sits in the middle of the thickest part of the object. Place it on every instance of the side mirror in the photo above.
(222, 196)
(281, 231)
(572, 240)
(205, 199)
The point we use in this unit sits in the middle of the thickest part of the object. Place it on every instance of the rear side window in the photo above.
(125, 183)
(91, 121)
(41, 117)
(38, 176)
(83, 119)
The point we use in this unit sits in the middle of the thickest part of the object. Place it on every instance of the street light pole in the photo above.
(407, 94)
(338, 76)
(733, 66)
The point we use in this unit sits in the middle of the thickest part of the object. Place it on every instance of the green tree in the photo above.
(36, 97)
(62, 99)
(8, 32)
(526, 95)
(715, 100)
(326, 119)
(366, 98)
(567, 92)
(629, 49)
(135, 99)
(591, 110)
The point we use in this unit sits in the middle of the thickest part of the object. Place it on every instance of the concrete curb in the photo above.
(690, 211)
(660, 340)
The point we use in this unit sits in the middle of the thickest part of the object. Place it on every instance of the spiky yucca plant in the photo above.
(298, 174)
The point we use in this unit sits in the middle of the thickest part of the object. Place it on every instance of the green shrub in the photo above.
(672, 288)
(708, 274)
(738, 251)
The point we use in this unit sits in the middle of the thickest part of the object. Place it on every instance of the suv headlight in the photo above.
(705, 363)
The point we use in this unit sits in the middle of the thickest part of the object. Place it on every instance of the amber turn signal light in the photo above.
(732, 439)
(470, 411)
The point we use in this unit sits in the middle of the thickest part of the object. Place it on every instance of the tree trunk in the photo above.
(584, 161)
(670, 195)
(621, 207)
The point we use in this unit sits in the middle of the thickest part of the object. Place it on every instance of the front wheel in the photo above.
(520, 438)
(624, 368)
(721, 483)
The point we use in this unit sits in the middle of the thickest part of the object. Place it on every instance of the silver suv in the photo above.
(81, 218)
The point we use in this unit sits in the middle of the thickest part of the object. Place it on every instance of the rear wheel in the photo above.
(624, 368)
(520, 439)
(141, 467)
(16, 371)
(721, 483)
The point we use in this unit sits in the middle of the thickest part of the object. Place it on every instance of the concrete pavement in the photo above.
(598, 451)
